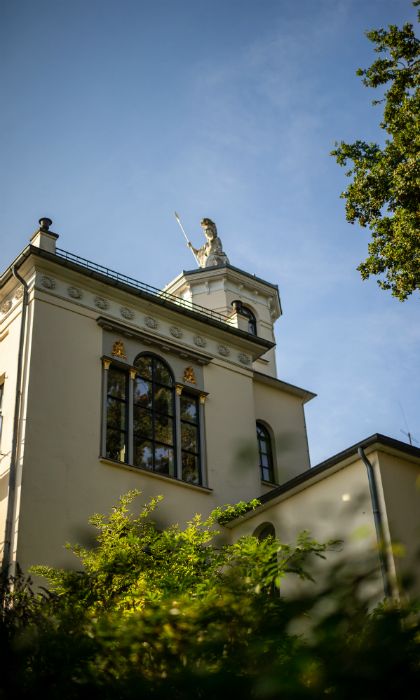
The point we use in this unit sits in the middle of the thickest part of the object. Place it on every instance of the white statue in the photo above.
(211, 253)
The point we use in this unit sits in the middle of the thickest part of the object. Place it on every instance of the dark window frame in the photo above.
(249, 314)
(265, 453)
(185, 452)
(123, 402)
(154, 413)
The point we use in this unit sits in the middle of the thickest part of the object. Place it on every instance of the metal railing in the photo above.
(140, 286)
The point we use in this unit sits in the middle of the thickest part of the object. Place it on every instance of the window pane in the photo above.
(264, 461)
(164, 459)
(265, 453)
(164, 429)
(189, 409)
(117, 383)
(162, 374)
(163, 400)
(189, 437)
(143, 426)
(115, 445)
(190, 468)
(266, 474)
(143, 365)
(143, 393)
(116, 413)
(143, 454)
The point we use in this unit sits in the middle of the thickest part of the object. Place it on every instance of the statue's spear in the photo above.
(186, 237)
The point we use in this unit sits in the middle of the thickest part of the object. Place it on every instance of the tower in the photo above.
(250, 304)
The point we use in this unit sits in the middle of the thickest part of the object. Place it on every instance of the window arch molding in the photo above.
(249, 314)
(266, 452)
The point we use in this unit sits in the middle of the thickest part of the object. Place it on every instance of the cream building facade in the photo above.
(108, 385)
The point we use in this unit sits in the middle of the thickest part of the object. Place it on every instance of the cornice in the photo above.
(162, 342)
(134, 316)
(189, 278)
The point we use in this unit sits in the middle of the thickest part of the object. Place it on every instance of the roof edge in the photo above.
(375, 439)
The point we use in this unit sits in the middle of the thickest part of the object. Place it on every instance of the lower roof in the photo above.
(376, 439)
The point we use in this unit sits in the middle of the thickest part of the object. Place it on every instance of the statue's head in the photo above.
(209, 228)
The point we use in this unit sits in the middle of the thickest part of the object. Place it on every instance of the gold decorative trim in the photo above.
(178, 389)
(106, 363)
(133, 373)
(189, 375)
(118, 350)
(203, 399)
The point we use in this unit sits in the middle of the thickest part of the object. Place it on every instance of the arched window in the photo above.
(245, 311)
(150, 422)
(265, 453)
(153, 415)
(265, 530)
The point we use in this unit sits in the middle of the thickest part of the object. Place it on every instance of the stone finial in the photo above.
(44, 238)
(45, 223)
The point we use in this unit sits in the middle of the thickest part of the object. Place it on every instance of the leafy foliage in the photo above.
(176, 613)
(385, 192)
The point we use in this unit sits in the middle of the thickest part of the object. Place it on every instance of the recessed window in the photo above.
(265, 453)
(246, 311)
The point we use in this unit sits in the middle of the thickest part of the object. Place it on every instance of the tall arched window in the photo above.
(252, 321)
(154, 415)
(150, 422)
(265, 453)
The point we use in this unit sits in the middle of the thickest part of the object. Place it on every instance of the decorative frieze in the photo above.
(223, 350)
(101, 303)
(127, 313)
(151, 322)
(74, 292)
(6, 306)
(244, 359)
(200, 341)
(176, 332)
(48, 282)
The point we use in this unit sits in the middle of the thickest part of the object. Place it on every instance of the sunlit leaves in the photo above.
(385, 191)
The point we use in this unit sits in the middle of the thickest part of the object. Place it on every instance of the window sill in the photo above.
(273, 484)
(154, 475)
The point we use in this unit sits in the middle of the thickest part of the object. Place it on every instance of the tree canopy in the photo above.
(384, 194)
(176, 613)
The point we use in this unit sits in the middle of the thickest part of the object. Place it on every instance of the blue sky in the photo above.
(116, 113)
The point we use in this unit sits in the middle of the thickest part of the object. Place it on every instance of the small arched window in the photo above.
(245, 311)
(265, 453)
(264, 531)
(154, 415)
